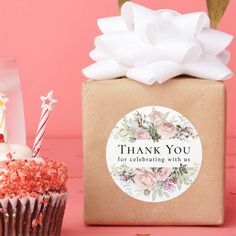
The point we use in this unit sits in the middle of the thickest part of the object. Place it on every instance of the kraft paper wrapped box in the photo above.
(202, 102)
(154, 140)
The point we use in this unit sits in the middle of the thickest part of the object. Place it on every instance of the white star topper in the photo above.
(3, 101)
(48, 101)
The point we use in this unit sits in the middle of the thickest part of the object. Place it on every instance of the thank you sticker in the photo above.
(154, 154)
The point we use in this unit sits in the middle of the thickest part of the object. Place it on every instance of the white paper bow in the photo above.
(154, 46)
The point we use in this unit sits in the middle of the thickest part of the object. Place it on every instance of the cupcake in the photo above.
(32, 192)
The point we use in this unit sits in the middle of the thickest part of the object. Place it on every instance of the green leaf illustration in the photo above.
(166, 194)
(154, 194)
(160, 193)
(153, 133)
(179, 183)
(166, 115)
(146, 192)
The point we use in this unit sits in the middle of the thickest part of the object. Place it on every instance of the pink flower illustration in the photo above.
(141, 134)
(174, 181)
(167, 130)
(163, 173)
(189, 130)
(123, 178)
(144, 180)
(156, 117)
(169, 185)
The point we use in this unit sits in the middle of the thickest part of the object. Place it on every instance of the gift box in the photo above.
(202, 102)
(154, 119)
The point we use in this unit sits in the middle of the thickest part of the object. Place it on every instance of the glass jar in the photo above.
(12, 122)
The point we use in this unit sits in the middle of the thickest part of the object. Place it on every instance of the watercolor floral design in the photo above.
(157, 183)
(154, 183)
(156, 126)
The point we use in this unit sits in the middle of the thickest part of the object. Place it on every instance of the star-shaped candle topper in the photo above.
(48, 101)
(3, 101)
(47, 105)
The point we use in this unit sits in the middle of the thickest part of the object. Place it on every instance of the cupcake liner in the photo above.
(29, 216)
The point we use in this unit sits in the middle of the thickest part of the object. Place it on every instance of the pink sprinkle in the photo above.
(9, 155)
(20, 178)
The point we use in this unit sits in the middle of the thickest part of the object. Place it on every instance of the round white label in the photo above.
(154, 154)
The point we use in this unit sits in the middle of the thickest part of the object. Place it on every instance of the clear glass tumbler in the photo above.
(11, 103)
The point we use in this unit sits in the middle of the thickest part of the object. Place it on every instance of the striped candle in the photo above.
(47, 105)
(3, 123)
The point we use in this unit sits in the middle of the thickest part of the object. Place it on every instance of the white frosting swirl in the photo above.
(17, 152)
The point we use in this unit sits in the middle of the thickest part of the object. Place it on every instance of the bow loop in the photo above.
(214, 41)
(155, 34)
(191, 24)
(111, 24)
(186, 49)
(135, 16)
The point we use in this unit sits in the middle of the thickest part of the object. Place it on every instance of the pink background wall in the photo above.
(51, 40)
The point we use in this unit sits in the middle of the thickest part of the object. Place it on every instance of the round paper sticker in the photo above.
(154, 154)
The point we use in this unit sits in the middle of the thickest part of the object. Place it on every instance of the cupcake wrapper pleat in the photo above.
(27, 216)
